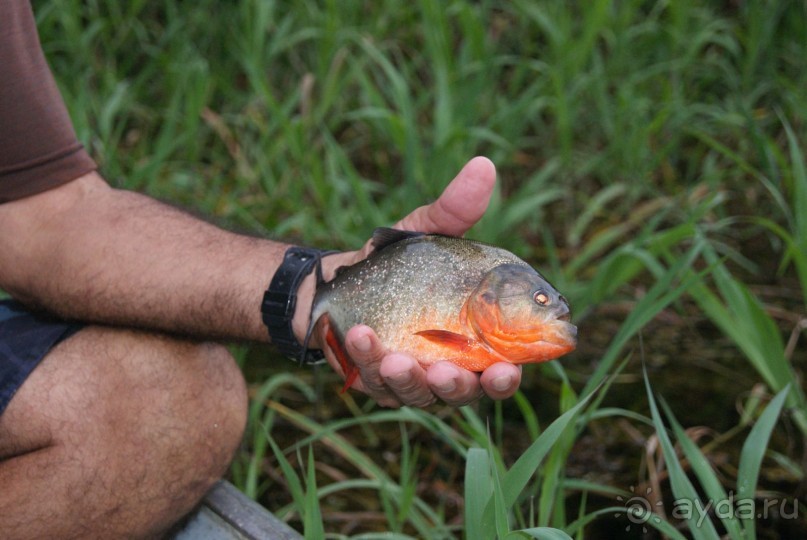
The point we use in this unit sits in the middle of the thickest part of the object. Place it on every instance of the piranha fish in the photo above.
(445, 298)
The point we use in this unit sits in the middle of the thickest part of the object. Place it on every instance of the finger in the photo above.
(452, 384)
(407, 380)
(367, 352)
(461, 204)
(501, 380)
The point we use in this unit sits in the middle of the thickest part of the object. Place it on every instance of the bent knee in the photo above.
(128, 397)
(141, 425)
(175, 394)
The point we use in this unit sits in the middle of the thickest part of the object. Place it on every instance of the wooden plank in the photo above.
(227, 514)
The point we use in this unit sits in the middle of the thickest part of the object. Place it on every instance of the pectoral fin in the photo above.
(463, 351)
(448, 339)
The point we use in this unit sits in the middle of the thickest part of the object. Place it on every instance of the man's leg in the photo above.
(117, 434)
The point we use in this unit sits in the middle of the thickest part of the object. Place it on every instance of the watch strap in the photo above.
(280, 301)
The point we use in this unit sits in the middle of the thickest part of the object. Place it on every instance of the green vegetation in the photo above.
(652, 164)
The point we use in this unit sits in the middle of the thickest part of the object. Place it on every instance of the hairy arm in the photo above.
(90, 252)
(87, 251)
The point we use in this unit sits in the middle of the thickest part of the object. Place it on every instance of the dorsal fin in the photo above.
(384, 236)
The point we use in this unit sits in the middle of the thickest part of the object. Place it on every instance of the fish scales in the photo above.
(413, 285)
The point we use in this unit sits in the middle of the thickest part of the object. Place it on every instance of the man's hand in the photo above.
(394, 379)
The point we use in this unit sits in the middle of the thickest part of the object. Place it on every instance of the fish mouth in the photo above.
(571, 330)
(562, 334)
(554, 339)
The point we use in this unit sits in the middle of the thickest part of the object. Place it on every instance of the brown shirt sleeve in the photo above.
(38, 146)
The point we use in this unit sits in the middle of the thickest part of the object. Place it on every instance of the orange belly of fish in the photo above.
(431, 346)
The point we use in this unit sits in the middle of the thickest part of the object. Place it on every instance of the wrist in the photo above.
(307, 291)
(302, 313)
(281, 299)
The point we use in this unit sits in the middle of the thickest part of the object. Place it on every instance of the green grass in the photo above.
(651, 163)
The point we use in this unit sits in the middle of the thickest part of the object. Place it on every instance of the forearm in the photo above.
(94, 253)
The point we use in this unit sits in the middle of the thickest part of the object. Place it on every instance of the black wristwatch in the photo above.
(280, 300)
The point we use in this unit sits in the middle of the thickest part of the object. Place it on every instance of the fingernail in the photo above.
(363, 344)
(403, 377)
(502, 383)
(449, 386)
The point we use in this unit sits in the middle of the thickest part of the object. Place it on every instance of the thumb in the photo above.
(460, 206)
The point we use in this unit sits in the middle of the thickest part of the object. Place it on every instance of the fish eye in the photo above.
(541, 298)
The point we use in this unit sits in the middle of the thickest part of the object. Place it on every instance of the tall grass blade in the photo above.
(312, 520)
(295, 485)
(551, 508)
(798, 248)
(751, 458)
(501, 514)
(541, 533)
(709, 481)
(660, 295)
(683, 490)
(422, 516)
(478, 488)
(740, 316)
(259, 425)
(407, 480)
(531, 423)
(642, 515)
(517, 477)
(447, 434)
(525, 466)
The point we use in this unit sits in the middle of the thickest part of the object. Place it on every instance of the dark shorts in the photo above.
(25, 339)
